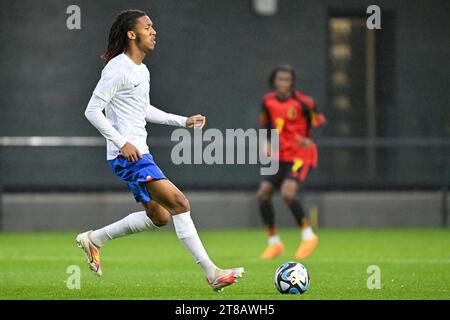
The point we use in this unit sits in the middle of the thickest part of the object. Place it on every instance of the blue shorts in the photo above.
(135, 174)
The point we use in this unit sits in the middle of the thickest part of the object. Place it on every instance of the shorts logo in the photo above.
(149, 178)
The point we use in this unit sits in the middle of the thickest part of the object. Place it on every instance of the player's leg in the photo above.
(274, 247)
(309, 241)
(157, 213)
(133, 174)
(154, 216)
(173, 200)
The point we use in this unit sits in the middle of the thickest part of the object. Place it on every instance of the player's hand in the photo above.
(197, 121)
(305, 142)
(130, 152)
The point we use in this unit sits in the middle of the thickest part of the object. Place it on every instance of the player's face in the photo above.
(145, 34)
(283, 82)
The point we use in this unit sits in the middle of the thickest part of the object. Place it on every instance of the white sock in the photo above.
(274, 239)
(186, 232)
(134, 222)
(307, 233)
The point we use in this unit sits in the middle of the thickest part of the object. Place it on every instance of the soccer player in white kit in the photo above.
(123, 92)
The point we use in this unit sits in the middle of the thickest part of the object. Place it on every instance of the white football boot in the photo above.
(91, 252)
(226, 278)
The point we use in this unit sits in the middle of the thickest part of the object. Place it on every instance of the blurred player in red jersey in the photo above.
(293, 115)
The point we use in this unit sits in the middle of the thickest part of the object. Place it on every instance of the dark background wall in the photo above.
(212, 57)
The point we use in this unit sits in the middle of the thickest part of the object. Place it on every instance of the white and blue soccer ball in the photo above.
(292, 277)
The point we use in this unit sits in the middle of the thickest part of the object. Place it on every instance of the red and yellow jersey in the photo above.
(293, 118)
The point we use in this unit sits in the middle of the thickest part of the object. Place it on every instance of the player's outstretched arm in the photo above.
(155, 115)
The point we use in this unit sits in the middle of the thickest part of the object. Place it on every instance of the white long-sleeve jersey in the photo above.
(123, 92)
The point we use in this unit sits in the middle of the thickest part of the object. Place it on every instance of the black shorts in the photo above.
(296, 170)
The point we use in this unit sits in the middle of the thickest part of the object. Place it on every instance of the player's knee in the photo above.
(288, 197)
(180, 204)
(161, 220)
(158, 214)
(264, 195)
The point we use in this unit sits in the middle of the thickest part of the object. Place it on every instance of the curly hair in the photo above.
(282, 68)
(117, 40)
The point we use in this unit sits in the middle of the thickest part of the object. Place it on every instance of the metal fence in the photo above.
(345, 163)
(77, 164)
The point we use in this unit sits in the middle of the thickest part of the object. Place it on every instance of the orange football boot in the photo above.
(307, 247)
(272, 251)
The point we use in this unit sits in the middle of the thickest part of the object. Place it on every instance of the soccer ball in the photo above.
(292, 277)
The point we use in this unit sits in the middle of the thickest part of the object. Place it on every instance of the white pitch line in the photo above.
(366, 261)
(383, 260)
(312, 260)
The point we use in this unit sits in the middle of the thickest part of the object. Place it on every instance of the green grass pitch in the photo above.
(414, 263)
